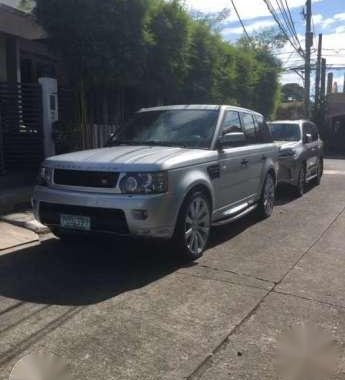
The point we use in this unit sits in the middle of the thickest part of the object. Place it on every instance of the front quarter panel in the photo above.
(182, 181)
(271, 163)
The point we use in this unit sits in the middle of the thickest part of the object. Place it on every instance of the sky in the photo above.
(328, 18)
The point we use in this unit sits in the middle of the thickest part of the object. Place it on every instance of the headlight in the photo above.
(144, 183)
(288, 152)
(45, 176)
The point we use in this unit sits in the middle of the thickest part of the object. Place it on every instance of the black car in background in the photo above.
(300, 152)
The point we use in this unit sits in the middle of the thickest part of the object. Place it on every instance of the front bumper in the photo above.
(160, 210)
(288, 170)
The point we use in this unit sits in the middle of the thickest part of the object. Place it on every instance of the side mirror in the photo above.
(308, 138)
(232, 139)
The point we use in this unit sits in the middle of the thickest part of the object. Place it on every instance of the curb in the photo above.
(25, 220)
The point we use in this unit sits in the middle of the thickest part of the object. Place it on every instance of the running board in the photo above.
(235, 217)
(311, 177)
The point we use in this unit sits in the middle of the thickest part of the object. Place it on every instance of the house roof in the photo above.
(19, 24)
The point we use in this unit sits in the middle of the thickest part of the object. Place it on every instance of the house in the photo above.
(24, 58)
(335, 120)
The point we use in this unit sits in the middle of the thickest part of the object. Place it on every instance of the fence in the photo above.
(70, 137)
(100, 134)
(21, 125)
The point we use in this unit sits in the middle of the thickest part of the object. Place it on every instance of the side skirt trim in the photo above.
(221, 222)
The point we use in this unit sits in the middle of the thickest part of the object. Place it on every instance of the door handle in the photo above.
(244, 162)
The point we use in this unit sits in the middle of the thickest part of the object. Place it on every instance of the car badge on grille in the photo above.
(104, 181)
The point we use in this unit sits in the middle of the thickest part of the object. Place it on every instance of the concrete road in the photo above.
(128, 310)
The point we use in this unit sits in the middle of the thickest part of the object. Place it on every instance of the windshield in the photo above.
(184, 128)
(285, 132)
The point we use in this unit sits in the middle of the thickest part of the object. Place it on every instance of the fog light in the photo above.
(140, 214)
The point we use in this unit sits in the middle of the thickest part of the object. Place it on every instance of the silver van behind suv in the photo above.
(171, 172)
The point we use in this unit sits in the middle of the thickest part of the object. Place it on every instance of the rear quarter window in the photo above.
(263, 132)
(249, 129)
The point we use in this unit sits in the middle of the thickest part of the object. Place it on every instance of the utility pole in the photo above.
(318, 74)
(344, 85)
(329, 83)
(308, 45)
(323, 81)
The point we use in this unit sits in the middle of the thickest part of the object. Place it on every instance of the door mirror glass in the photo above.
(308, 138)
(232, 139)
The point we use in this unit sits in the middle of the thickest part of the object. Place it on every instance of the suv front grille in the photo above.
(83, 178)
(102, 219)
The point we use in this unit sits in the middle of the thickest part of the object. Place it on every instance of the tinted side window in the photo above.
(249, 127)
(314, 132)
(231, 122)
(262, 130)
(307, 130)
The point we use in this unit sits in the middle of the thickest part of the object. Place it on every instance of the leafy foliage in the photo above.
(156, 51)
(292, 92)
(26, 5)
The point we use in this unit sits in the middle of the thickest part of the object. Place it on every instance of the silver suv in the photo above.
(171, 172)
(300, 154)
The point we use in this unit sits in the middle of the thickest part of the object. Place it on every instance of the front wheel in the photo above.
(301, 182)
(266, 203)
(193, 226)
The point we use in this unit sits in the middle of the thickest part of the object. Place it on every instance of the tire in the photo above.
(300, 187)
(193, 226)
(319, 172)
(266, 203)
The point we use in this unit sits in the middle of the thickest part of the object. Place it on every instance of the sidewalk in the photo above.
(12, 236)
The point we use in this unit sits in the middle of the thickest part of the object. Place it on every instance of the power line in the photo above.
(282, 27)
(240, 20)
(288, 21)
(291, 20)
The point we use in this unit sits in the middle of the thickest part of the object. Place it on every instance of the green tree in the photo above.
(204, 65)
(101, 41)
(168, 53)
(26, 5)
(154, 52)
(292, 92)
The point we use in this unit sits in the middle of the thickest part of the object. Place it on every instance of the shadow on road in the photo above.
(83, 274)
(95, 270)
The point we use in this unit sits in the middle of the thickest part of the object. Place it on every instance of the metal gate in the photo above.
(21, 125)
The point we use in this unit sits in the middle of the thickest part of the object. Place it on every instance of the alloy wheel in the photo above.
(269, 195)
(197, 225)
(301, 181)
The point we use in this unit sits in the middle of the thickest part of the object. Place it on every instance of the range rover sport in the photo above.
(172, 172)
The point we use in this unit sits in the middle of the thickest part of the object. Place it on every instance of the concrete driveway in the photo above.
(129, 310)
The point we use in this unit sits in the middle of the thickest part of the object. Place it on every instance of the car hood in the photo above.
(130, 158)
(287, 144)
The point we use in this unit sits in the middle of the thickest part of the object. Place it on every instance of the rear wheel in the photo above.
(266, 203)
(193, 226)
(319, 172)
(301, 182)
